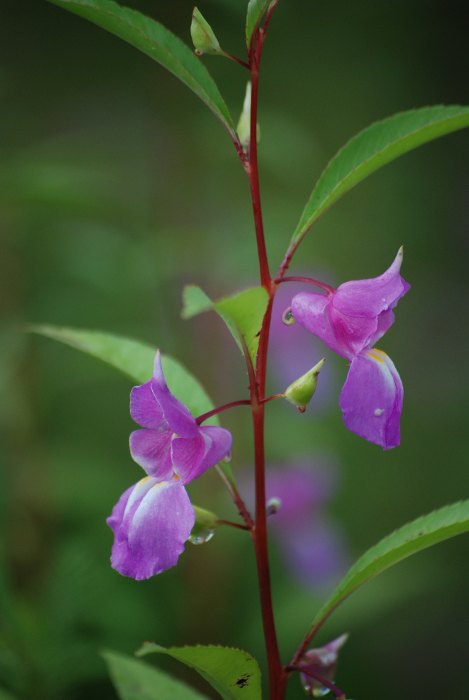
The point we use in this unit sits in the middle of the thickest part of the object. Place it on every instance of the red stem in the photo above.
(255, 54)
(277, 674)
(237, 499)
(306, 280)
(237, 60)
(340, 695)
(205, 416)
(230, 523)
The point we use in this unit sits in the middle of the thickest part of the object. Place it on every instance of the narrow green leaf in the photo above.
(233, 673)
(411, 538)
(135, 680)
(153, 39)
(256, 10)
(242, 313)
(134, 359)
(372, 148)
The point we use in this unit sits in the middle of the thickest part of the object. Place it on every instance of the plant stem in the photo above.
(205, 416)
(237, 499)
(230, 523)
(237, 60)
(307, 280)
(255, 54)
(277, 674)
(340, 695)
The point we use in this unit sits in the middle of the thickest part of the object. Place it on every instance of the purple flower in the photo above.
(153, 519)
(350, 321)
(320, 664)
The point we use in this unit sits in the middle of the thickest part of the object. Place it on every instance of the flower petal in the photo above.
(178, 416)
(353, 333)
(370, 297)
(371, 399)
(151, 449)
(187, 455)
(310, 311)
(144, 408)
(219, 441)
(151, 522)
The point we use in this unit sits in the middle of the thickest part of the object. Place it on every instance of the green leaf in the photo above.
(242, 313)
(135, 680)
(256, 10)
(153, 39)
(233, 673)
(421, 533)
(134, 359)
(372, 148)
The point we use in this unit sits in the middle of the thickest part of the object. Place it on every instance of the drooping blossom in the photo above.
(153, 519)
(350, 320)
(320, 663)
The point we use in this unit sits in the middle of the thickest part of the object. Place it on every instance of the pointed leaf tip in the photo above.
(374, 147)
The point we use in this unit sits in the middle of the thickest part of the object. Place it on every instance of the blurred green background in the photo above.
(117, 187)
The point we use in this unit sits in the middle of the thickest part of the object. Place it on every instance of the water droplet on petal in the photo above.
(320, 691)
(378, 412)
(228, 457)
(287, 317)
(201, 537)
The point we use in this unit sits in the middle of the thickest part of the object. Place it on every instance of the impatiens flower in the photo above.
(350, 320)
(320, 664)
(153, 519)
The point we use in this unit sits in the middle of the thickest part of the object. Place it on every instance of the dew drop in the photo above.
(378, 412)
(228, 457)
(320, 691)
(201, 537)
(287, 317)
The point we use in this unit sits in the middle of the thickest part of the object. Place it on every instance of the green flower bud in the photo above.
(205, 525)
(203, 36)
(300, 392)
(244, 124)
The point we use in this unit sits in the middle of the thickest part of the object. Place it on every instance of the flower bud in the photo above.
(244, 124)
(273, 505)
(203, 36)
(323, 663)
(300, 392)
(205, 525)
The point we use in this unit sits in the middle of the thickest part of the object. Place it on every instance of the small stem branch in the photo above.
(220, 409)
(340, 695)
(237, 499)
(286, 260)
(306, 280)
(272, 397)
(230, 523)
(237, 60)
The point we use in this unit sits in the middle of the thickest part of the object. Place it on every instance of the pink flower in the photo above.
(350, 320)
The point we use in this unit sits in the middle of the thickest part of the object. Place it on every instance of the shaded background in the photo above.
(116, 188)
